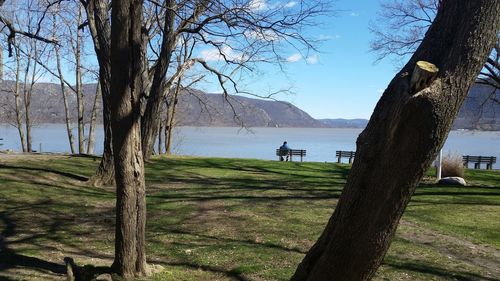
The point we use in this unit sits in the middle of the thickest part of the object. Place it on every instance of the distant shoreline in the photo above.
(250, 127)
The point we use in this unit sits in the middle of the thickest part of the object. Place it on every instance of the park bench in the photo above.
(477, 160)
(291, 153)
(345, 154)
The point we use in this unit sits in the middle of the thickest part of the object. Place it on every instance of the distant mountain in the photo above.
(479, 111)
(197, 108)
(345, 123)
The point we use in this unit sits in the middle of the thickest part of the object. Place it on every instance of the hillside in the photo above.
(479, 111)
(197, 108)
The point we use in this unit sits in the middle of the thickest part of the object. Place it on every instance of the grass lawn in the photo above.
(233, 219)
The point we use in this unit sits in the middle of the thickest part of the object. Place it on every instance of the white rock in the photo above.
(452, 181)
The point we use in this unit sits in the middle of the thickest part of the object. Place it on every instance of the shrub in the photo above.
(452, 166)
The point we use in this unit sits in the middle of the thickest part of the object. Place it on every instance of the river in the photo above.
(259, 143)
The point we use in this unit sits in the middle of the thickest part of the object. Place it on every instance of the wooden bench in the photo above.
(291, 153)
(345, 154)
(477, 160)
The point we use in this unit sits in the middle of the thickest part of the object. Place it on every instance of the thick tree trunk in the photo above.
(404, 134)
(93, 117)
(100, 29)
(150, 120)
(127, 54)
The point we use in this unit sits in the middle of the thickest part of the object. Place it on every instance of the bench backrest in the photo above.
(301, 152)
(340, 153)
(479, 159)
(284, 152)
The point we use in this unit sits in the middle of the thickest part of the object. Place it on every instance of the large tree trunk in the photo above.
(127, 61)
(404, 134)
(150, 120)
(100, 29)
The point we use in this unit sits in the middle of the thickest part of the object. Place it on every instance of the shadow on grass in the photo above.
(249, 242)
(436, 271)
(214, 269)
(61, 173)
(262, 180)
(303, 171)
(10, 259)
(49, 227)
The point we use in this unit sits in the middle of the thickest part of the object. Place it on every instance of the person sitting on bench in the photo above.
(284, 151)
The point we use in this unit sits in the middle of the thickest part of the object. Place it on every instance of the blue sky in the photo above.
(342, 81)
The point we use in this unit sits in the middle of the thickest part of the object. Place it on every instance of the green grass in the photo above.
(234, 219)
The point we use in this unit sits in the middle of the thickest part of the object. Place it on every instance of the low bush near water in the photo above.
(452, 166)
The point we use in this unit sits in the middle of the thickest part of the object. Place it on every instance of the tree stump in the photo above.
(423, 75)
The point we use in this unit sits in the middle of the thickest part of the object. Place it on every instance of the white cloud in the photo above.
(290, 4)
(214, 54)
(258, 5)
(354, 14)
(328, 37)
(380, 91)
(267, 35)
(294, 58)
(314, 59)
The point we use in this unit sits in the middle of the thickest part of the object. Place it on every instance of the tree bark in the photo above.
(127, 61)
(402, 138)
(171, 118)
(160, 136)
(27, 91)
(100, 30)
(17, 98)
(78, 86)
(93, 117)
(150, 120)
(67, 113)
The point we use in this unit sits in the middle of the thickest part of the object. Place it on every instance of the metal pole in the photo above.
(440, 157)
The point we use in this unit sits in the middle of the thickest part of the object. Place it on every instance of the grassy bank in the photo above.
(233, 219)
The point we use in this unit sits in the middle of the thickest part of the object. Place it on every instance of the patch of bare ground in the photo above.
(485, 257)
(216, 219)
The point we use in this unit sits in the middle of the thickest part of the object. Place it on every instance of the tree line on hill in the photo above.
(197, 108)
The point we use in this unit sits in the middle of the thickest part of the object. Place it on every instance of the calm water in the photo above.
(259, 143)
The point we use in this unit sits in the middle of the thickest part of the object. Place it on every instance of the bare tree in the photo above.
(14, 29)
(99, 24)
(93, 117)
(401, 27)
(241, 33)
(127, 67)
(77, 49)
(15, 89)
(407, 129)
(67, 112)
